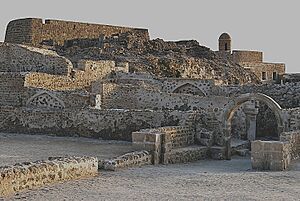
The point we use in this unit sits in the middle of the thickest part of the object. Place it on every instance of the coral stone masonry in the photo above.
(173, 101)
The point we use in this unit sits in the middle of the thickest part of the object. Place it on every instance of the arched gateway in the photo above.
(234, 105)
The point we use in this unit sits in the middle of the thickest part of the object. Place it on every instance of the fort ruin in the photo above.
(175, 101)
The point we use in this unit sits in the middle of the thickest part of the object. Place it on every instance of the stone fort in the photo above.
(178, 101)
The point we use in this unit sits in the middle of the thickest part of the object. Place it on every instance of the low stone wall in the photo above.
(134, 159)
(187, 154)
(275, 155)
(104, 124)
(270, 155)
(175, 144)
(26, 176)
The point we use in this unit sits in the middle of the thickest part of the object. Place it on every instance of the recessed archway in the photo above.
(188, 88)
(237, 102)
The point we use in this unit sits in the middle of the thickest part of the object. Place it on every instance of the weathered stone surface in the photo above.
(134, 159)
(275, 155)
(31, 175)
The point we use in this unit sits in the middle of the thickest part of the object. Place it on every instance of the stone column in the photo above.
(251, 112)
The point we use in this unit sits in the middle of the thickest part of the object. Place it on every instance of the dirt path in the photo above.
(202, 180)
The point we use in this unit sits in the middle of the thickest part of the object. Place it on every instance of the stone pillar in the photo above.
(251, 111)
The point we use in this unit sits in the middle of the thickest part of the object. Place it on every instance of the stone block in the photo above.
(138, 137)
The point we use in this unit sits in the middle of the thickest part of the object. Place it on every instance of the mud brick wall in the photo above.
(31, 175)
(34, 31)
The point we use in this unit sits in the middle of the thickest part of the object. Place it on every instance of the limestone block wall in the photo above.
(12, 90)
(31, 175)
(34, 31)
(47, 100)
(21, 58)
(93, 123)
(292, 118)
(133, 159)
(192, 86)
(276, 155)
(240, 56)
(270, 155)
(293, 138)
(129, 96)
(176, 137)
(287, 94)
(268, 68)
(169, 144)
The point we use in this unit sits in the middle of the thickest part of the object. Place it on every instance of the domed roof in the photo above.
(225, 36)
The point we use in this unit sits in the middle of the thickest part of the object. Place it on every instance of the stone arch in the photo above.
(189, 89)
(234, 105)
(45, 100)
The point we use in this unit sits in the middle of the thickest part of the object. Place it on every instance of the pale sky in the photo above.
(270, 26)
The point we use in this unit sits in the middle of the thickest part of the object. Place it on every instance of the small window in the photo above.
(275, 75)
(263, 75)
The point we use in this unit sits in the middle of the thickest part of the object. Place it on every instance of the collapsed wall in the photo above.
(31, 175)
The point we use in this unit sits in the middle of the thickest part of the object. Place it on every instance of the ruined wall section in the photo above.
(276, 155)
(268, 68)
(33, 31)
(104, 124)
(127, 96)
(12, 90)
(30, 175)
(201, 87)
(21, 58)
(286, 95)
(240, 56)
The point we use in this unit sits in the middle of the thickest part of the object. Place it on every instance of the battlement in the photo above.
(35, 32)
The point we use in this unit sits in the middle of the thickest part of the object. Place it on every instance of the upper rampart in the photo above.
(36, 32)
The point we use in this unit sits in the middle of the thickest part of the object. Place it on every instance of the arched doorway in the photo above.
(188, 88)
(237, 102)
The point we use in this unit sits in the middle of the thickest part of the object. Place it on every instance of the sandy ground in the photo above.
(202, 180)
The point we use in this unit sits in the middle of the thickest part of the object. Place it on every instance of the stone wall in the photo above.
(240, 56)
(170, 144)
(21, 58)
(270, 155)
(82, 77)
(129, 96)
(104, 124)
(275, 155)
(268, 68)
(31, 175)
(293, 138)
(55, 32)
(133, 159)
(189, 86)
(12, 90)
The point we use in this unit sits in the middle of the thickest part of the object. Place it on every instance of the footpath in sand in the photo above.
(202, 180)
